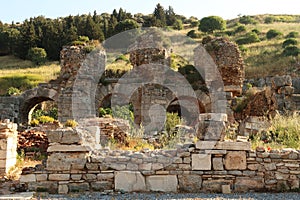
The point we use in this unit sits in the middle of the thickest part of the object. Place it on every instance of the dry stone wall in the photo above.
(206, 166)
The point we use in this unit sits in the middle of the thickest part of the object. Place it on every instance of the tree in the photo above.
(212, 23)
(37, 55)
(170, 16)
(92, 30)
(125, 25)
(27, 38)
(160, 16)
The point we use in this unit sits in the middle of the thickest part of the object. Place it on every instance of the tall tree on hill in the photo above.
(111, 25)
(27, 38)
(92, 30)
(160, 16)
(170, 16)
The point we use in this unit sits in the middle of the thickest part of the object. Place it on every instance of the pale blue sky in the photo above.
(19, 10)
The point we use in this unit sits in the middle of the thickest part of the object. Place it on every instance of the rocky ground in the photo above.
(174, 196)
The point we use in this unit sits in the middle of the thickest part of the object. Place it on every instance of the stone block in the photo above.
(41, 177)
(145, 166)
(79, 187)
(226, 189)
(129, 181)
(101, 186)
(70, 137)
(189, 183)
(244, 184)
(105, 176)
(66, 161)
(220, 117)
(242, 146)
(270, 166)
(59, 177)
(162, 183)
(235, 160)
(215, 185)
(63, 189)
(218, 164)
(201, 162)
(76, 177)
(26, 178)
(54, 136)
(45, 186)
(67, 148)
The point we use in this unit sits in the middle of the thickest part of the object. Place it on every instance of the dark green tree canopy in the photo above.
(212, 23)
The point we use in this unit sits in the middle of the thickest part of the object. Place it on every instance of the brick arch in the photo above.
(33, 97)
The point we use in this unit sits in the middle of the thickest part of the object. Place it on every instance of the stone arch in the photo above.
(33, 97)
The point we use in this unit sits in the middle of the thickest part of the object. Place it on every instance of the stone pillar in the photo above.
(8, 146)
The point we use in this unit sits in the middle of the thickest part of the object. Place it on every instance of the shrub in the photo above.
(255, 31)
(250, 37)
(289, 42)
(247, 20)
(37, 55)
(177, 25)
(71, 123)
(212, 23)
(34, 122)
(272, 33)
(83, 38)
(45, 119)
(293, 34)
(243, 49)
(104, 111)
(270, 20)
(291, 51)
(13, 91)
(239, 29)
(193, 34)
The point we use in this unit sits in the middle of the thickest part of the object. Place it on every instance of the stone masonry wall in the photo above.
(8, 146)
(206, 166)
(9, 108)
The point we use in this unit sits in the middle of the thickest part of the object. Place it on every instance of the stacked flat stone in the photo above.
(8, 146)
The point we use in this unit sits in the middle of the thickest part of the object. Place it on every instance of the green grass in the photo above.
(284, 132)
(23, 74)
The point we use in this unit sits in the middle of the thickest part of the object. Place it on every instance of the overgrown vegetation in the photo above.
(283, 133)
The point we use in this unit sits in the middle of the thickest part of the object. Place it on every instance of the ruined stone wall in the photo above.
(207, 166)
(227, 57)
(10, 108)
(8, 146)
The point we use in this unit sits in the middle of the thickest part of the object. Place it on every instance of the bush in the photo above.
(291, 51)
(239, 29)
(250, 37)
(193, 34)
(34, 122)
(247, 20)
(83, 39)
(177, 25)
(37, 55)
(212, 23)
(255, 31)
(293, 34)
(71, 123)
(104, 111)
(272, 33)
(45, 119)
(13, 91)
(270, 20)
(243, 49)
(289, 42)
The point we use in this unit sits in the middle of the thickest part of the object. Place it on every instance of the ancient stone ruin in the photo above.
(207, 165)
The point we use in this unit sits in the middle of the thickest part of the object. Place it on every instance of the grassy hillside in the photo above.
(23, 74)
(262, 58)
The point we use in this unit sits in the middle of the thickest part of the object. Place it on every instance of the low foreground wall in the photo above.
(229, 167)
